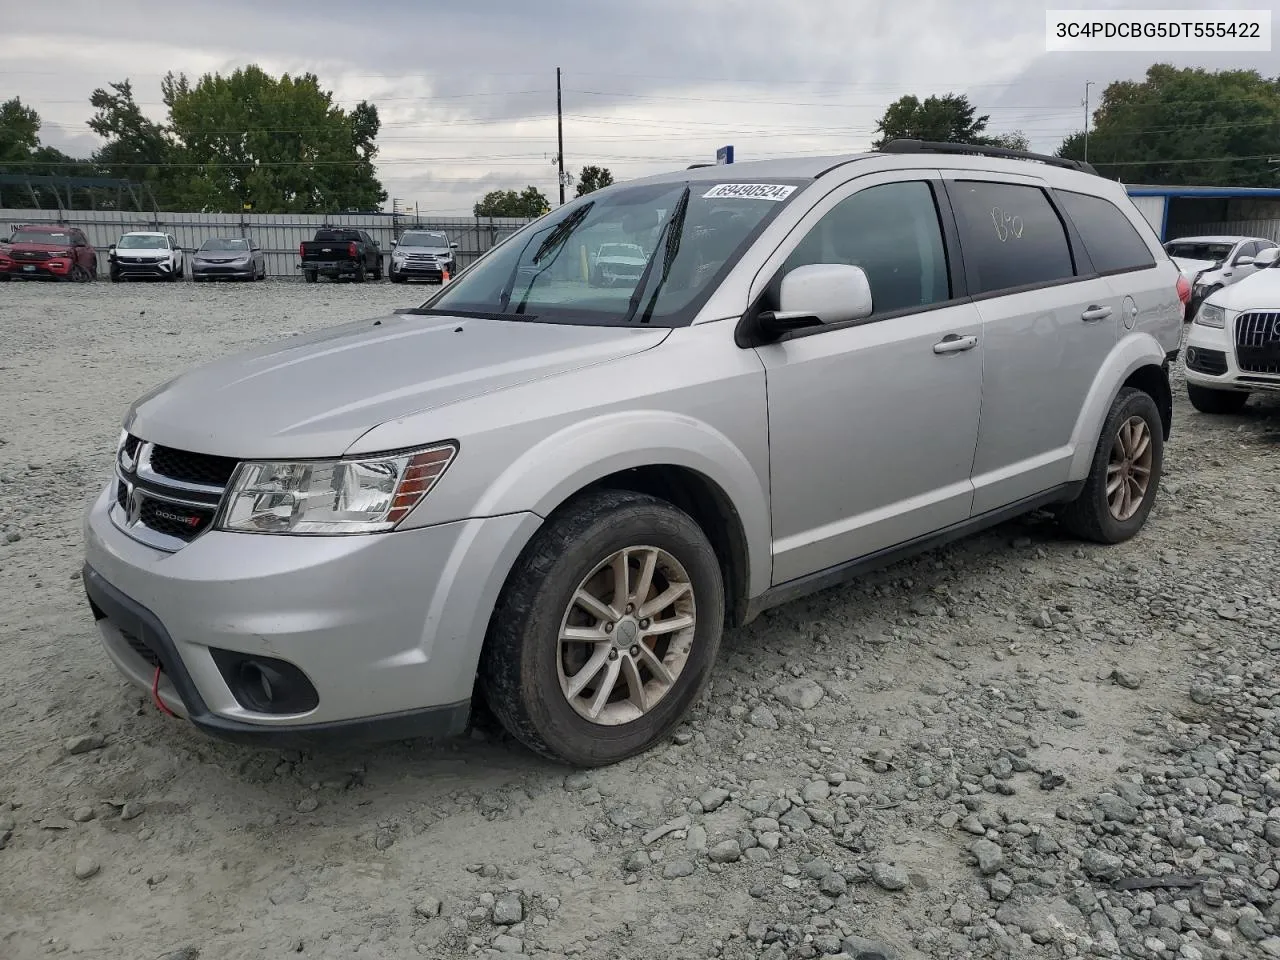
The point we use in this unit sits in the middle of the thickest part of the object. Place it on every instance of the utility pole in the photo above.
(1088, 84)
(560, 135)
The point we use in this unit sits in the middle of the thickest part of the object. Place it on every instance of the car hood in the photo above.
(434, 251)
(630, 261)
(1261, 291)
(221, 255)
(315, 395)
(1189, 268)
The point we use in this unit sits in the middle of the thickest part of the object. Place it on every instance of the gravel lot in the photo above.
(1018, 747)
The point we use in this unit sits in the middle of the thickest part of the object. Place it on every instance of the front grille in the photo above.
(192, 467)
(31, 255)
(1258, 342)
(138, 647)
(167, 497)
(1210, 362)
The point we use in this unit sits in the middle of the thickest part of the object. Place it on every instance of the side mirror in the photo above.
(453, 246)
(1244, 261)
(1267, 257)
(821, 293)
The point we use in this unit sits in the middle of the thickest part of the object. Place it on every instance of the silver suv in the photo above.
(557, 494)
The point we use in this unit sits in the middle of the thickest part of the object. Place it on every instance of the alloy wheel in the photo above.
(1129, 468)
(626, 635)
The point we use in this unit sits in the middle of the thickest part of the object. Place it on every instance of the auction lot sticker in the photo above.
(750, 191)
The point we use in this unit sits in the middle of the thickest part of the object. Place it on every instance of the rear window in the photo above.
(1198, 250)
(1113, 243)
(1011, 236)
(337, 234)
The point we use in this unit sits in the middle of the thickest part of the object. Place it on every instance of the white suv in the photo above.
(145, 253)
(1234, 344)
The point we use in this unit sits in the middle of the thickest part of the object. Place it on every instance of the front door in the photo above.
(872, 424)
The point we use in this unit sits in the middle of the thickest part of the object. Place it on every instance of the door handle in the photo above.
(1095, 313)
(954, 343)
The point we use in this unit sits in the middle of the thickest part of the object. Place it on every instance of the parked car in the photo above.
(1233, 347)
(1211, 263)
(238, 258)
(422, 254)
(558, 495)
(337, 252)
(617, 262)
(49, 252)
(145, 254)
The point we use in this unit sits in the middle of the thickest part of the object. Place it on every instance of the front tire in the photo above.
(586, 664)
(1125, 475)
(1209, 400)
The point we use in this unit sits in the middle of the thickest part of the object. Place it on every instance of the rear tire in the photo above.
(524, 667)
(377, 271)
(358, 276)
(309, 276)
(1095, 514)
(1209, 400)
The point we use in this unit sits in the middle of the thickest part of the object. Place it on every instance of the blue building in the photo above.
(1210, 211)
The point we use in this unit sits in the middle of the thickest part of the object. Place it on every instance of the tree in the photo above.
(593, 178)
(278, 143)
(19, 132)
(1185, 126)
(528, 204)
(137, 147)
(947, 119)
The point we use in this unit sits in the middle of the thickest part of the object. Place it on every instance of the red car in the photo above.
(48, 251)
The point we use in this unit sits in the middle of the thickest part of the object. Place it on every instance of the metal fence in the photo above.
(1268, 229)
(278, 234)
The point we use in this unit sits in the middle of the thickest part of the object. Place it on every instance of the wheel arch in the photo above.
(1136, 361)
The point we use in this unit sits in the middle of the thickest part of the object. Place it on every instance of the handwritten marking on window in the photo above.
(1007, 225)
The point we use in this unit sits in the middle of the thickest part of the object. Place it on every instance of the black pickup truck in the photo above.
(339, 252)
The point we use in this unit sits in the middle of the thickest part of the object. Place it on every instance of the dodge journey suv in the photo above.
(555, 494)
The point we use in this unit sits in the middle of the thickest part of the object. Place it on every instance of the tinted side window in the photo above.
(1249, 249)
(892, 232)
(1010, 234)
(1113, 243)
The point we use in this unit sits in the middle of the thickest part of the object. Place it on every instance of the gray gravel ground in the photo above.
(1016, 747)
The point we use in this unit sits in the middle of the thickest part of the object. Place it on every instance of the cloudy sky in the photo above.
(466, 91)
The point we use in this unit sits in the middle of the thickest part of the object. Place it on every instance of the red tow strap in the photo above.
(155, 695)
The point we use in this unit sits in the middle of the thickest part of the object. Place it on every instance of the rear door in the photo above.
(1048, 324)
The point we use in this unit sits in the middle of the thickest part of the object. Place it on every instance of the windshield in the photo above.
(1198, 250)
(225, 243)
(686, 237)
(40, 236)
(418, 238)
(142, 243)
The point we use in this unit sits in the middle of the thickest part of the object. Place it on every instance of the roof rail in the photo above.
(933, 146)
(695, 166)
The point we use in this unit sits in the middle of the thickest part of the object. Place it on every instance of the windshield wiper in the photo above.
(672, 230)
(557, 240)
(559, 232)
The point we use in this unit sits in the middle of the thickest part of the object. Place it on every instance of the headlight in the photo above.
(332, 496)
(1211, 315)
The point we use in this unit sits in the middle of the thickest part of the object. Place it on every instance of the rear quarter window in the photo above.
(1010, 236)
(1113, 243)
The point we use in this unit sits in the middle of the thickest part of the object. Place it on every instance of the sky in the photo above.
(466, 92)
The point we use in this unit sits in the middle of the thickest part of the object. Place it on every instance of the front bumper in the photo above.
(422, 271)
(1210, 360)
(387, 628)
(160, 268)
(242, 271)
(36, 268)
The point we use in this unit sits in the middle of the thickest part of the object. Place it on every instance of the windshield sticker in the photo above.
(750, 191)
